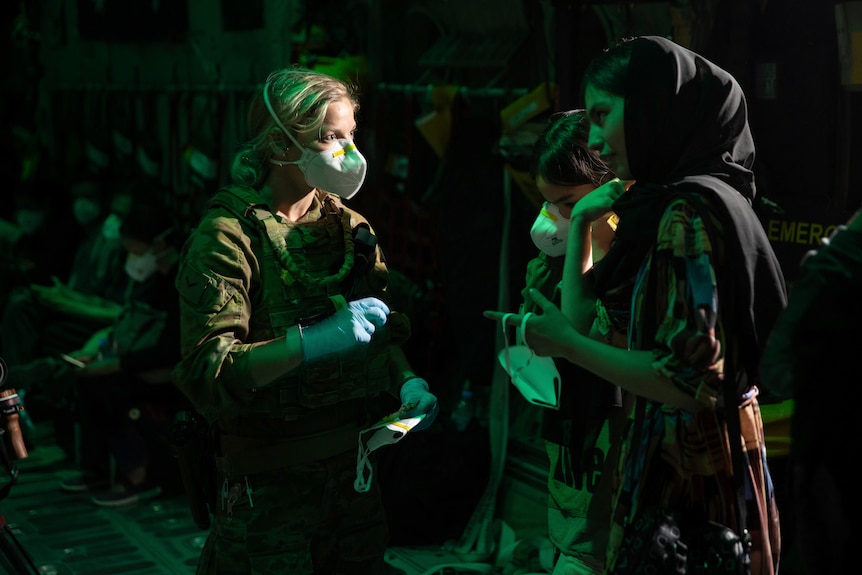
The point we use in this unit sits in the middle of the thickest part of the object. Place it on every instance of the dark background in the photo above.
(175, 76)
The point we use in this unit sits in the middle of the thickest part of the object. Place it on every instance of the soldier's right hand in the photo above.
(349, 326)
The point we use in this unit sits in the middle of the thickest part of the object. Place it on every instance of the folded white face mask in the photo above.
(535, 376)
(386, 432)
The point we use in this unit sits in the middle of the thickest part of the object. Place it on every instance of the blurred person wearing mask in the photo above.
(100, 209)
(290, 350)
(129, 363)
(44, 319)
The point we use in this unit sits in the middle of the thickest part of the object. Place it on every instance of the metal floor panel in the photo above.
(66, 534)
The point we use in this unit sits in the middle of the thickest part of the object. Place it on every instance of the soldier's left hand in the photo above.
(416, 391)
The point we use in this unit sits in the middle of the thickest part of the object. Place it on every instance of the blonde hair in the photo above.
(300, 98)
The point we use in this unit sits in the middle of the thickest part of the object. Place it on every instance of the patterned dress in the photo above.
(683, 458)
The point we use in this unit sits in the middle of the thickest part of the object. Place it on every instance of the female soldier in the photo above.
(288, 345)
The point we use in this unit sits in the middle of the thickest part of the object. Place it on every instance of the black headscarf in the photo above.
(687, 133)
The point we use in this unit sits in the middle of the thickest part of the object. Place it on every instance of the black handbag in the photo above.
(663, 542)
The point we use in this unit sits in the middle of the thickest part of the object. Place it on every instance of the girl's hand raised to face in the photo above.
(597, 203)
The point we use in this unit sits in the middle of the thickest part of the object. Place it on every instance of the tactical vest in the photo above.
(307, 269)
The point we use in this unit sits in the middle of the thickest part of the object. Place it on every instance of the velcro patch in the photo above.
(202, 290)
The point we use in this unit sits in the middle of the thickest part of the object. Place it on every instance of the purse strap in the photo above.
(739, 461)
(734, 381)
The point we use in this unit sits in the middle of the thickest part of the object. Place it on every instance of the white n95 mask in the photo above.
(550, 231)
(339, 169)
(111, 227)
(535, 376)
(386, 432)
(141, 268)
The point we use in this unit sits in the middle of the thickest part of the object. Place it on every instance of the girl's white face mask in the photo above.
(340, 169)
(535, 376)
(141, 268)
(550, 231)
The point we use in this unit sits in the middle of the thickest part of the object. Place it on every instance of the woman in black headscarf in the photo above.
(691, 282)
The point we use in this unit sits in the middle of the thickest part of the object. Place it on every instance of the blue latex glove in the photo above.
(415, 390)
(349, 326)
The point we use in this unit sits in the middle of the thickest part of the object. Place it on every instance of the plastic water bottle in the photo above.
(464, 410)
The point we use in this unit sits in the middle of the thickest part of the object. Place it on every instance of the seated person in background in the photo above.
(126, 367)
(29, 250)
(41, 319)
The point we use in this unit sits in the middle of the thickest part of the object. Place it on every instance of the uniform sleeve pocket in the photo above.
(202, 290)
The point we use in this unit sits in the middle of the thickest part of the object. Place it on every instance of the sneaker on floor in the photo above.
(80, 483)
(124, 493)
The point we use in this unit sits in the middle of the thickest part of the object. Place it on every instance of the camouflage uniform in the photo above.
(286, 453)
